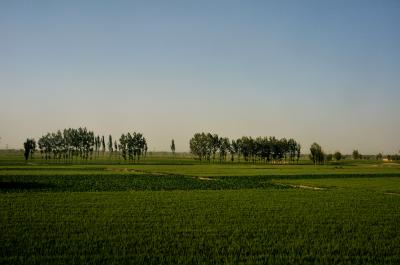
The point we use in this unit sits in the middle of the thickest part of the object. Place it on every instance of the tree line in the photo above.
(318, 156)
(70, 144)
(209, 147)
(132, 146)
(80, 143)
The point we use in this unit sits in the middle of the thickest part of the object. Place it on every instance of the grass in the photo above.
(119, 182)
(40, 167)
(172, 213)
(376, 183)
(200, 227)
(262, 169)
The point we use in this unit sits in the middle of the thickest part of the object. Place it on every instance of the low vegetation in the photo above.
(261, 149)
(245, 226)
(169, 211)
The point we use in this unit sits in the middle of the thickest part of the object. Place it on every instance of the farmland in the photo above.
(199, 132)
(174, 210)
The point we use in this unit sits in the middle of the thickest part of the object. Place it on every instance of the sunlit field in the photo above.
(176, 210)
(199, 132)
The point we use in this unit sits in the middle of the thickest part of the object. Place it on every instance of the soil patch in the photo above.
(301, 186)
(204, 178)
(392, 193)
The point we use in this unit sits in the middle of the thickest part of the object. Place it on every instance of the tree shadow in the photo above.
(24, 186)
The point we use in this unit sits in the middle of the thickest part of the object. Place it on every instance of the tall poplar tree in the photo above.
(173, 147)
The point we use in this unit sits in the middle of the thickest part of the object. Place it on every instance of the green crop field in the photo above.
(199, 132)
(167, 210)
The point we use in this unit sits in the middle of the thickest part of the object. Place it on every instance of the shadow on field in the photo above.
(13, 186)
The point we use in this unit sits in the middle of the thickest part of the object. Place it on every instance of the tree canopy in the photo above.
(82, 143)
(316, 154)
(132, 146)
(173, 147)
(29, 148)
(261, 149)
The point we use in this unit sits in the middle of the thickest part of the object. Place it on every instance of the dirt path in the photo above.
(205, 178)
(301, 186)
(392, 193)
(135, 170)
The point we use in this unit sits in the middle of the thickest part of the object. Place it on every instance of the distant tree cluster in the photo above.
(337, 155)
(317, 155)
(132, 146)
(206, 146)
(357, 155)
(330, 157)
(70, 144)
(393, 157)
(67, 144)
(84, 144)
(29, 148)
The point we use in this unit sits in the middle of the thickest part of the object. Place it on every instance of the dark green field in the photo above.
(179, 211)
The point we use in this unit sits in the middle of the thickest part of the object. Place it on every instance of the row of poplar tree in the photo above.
(70, 144)
(207, 146)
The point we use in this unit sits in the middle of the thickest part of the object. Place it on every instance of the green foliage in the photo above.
(163, 212)
(262, 149)
(393, 157)
(126, 182)
(103, 144)
(357, 155)
(199, 145)
(67, 144)
(80, 143)
(337, 155)
(173, 147)
(316, 154)
(97, 145)
(110, 144)
(243, 226)
(29, 148)
(132, 146)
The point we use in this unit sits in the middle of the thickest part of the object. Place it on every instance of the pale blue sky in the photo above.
(324, 71)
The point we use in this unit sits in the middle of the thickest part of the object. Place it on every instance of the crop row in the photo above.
(127, 182)
(200, 227)
(123, 182)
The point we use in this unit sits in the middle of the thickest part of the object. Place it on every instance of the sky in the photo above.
(316, 71)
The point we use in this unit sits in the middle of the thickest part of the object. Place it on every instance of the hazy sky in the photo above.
(324, 71)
